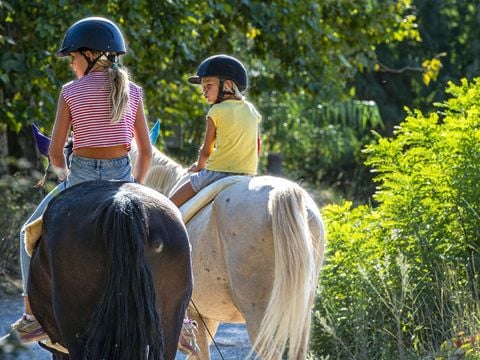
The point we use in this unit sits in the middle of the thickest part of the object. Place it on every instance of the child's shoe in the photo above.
(29, 330)
(187, 342)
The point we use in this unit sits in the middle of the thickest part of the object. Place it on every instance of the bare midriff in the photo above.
(107, 152)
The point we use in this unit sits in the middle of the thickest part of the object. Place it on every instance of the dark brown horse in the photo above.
(111, 275)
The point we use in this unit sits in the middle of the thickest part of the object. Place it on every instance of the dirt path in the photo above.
(232, 339)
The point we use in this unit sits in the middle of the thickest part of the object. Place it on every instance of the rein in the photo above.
(208, 331)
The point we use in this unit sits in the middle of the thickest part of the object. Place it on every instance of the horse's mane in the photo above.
(164, 173)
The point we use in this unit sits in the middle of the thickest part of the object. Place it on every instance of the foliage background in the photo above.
(299, 55)
(450, 39)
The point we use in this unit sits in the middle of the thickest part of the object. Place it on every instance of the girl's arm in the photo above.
(140, 132)
(61, 128)
(207, 147)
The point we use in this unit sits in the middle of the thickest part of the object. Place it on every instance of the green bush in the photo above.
(400, 278)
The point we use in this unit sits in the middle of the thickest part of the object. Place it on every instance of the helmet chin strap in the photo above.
(220, 90)
(91, 63)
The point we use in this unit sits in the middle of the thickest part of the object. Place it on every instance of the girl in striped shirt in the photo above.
(105, 110)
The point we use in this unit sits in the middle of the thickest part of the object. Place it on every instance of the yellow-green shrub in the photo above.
(400, 275)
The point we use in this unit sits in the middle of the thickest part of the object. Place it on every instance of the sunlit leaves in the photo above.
(395, 261)
(252, 33)
(431, 69)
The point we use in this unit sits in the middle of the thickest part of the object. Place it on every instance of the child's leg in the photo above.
(183, 194)
(24, 262)
(27, 326)
(26, 303)
(24, 258)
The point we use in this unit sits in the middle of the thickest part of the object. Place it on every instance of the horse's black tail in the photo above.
(125, 324)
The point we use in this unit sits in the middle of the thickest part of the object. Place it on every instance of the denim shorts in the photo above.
(205, 177)
(85, 169)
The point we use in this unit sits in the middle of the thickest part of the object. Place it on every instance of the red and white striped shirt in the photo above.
(88, 99)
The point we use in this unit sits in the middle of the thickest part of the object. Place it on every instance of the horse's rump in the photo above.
(257, 251)
(99, 241)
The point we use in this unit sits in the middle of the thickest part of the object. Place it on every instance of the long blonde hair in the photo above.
(119, 86)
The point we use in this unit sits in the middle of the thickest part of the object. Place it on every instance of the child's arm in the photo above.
(207, 147)
(140, 132)
(59, 137)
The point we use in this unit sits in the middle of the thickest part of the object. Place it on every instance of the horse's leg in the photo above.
(254, 308)
(172, 306)
(204, 336)
(172, 276)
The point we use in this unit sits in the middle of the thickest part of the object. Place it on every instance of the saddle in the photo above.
(207, 194)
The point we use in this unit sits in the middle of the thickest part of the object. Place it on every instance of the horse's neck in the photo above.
(180, 180)
(164, 173)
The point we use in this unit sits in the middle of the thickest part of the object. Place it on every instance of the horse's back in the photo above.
(243, 214)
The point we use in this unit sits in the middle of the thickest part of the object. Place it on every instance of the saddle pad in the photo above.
(207, 194)
(33, 231)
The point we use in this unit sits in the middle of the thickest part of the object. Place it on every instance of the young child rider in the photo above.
(230, 146)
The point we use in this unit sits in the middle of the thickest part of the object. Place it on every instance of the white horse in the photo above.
(257, 250)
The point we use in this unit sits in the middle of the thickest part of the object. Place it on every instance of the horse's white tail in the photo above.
(298, 257)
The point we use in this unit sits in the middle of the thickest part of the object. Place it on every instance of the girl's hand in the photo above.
(61, 173)
(194, 168)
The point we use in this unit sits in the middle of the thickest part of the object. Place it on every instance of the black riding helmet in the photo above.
(93, 33)
(225, 67)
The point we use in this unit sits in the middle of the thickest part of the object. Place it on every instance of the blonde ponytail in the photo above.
(119, 91)
(119, 80)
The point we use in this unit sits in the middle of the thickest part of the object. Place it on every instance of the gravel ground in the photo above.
(232, 339)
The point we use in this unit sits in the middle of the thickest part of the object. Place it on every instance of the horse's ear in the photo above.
(41, 141)
(154, 132)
